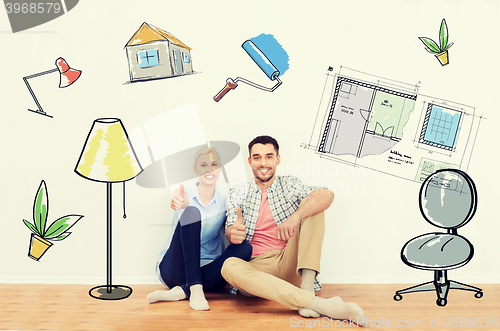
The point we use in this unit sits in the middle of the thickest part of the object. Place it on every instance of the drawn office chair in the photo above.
(448, 200)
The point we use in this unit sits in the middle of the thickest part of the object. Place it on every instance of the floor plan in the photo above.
(365, 119)
(385, 125)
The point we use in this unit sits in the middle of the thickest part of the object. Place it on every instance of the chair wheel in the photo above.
(441, 302)
(398, 297)
(478, 295)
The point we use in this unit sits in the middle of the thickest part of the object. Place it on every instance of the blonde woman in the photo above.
(191, 260)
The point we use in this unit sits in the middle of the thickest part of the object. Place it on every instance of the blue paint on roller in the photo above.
(261, 59)
(268, 54)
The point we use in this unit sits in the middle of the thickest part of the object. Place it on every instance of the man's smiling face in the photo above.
(263, 161)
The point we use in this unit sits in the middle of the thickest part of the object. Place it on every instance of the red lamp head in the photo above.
(67, 75)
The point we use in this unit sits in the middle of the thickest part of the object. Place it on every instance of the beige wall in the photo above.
(373, 213)
(187, 68)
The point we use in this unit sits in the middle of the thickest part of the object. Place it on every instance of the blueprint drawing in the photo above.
(385, 125)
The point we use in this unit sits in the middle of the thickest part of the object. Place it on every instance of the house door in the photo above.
(178, 62)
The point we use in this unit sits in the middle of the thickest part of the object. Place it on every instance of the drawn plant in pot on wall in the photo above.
(440, 50)
(57, 231)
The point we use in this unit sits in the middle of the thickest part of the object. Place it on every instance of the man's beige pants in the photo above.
(275, 275)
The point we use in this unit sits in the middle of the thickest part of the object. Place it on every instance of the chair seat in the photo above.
(437, 251)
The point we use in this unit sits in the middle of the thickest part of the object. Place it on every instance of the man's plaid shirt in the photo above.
(285, 195)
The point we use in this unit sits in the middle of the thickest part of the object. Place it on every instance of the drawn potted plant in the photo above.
(57, 231)
(441, 50)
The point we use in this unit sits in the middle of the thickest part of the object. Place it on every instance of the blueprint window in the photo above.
(148, 58)
(441, 127)
(186, 57)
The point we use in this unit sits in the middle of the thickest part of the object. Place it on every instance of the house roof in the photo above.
(148, 33)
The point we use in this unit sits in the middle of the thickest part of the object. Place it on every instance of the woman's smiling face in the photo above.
(208, 168)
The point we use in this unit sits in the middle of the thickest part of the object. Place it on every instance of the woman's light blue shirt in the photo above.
(212, 219)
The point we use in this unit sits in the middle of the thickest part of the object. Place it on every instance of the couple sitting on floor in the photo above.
(275, 225)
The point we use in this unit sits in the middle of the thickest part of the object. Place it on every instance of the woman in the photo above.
(191, 261)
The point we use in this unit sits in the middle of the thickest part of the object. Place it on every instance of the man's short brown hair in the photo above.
(264, 140)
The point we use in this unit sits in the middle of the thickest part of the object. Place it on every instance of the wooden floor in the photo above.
(69, 307)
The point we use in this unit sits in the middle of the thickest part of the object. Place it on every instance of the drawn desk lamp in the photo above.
(67, 76)
(108, 157)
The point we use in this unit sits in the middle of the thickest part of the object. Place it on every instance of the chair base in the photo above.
(441, 285)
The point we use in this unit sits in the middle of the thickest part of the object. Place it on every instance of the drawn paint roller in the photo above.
(263, 62)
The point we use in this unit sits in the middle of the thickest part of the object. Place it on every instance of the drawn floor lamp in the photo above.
(108, 157)
(67, 76)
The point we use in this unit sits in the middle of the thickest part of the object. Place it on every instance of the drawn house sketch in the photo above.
(153, 53)
(387, 126)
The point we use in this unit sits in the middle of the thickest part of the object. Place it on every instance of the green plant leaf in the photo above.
(443, 36)
(41, 208)
(31, 227)
(448, 46)
(60, 237)
(61, 225)
(432, 47)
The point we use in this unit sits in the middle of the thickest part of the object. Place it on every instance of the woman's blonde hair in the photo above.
(206, 150)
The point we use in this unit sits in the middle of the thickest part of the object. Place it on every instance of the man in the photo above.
(284, 222)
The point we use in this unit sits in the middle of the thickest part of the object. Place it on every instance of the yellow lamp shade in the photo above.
(108, 155)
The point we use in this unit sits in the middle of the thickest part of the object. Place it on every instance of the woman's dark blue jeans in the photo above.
(180, 265)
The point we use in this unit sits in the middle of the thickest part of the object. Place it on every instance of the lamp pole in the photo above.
(39, 110)
(109, 235)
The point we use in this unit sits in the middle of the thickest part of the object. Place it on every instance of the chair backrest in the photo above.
(448, 199)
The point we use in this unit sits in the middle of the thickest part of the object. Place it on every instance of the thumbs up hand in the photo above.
(180, 199)
(237, 230)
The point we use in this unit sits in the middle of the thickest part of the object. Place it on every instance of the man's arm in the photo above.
(318, 201)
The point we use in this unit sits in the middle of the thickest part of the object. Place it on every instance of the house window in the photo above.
(186, 57)
(148, 58)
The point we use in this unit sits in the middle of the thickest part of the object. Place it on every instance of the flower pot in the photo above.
(442, 57)
(38, 247)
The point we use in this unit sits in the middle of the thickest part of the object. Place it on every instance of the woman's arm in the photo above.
(235, 233)
(180, 200)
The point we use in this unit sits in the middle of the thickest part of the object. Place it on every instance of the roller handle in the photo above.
(230, 85)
